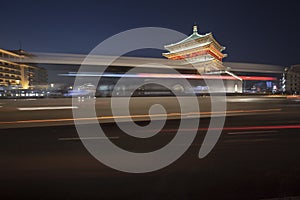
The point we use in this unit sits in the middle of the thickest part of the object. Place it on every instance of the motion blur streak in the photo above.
(191, 114)
(49, 108)
(176, 76)
(243, 128)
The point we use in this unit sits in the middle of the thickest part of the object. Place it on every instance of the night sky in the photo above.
(253, 31)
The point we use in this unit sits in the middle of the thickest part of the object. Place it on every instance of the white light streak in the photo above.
(48, 108)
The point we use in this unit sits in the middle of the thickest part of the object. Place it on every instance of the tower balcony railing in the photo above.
(10, 72)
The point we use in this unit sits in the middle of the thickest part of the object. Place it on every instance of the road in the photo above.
(48, 112)
(257, 156)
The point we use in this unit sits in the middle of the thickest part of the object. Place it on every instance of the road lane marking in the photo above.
(47, 108)
(251, 132)
(88, 138)
(187, 115)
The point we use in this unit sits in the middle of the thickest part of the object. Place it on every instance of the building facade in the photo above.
(258, 78)
(291, 80)
(16, 75)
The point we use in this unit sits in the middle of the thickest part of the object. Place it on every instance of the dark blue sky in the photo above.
(253, 31)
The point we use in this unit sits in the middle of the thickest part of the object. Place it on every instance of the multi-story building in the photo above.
(15, 74)
(291, 80)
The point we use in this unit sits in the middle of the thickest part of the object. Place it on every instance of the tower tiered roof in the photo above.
(196, 48)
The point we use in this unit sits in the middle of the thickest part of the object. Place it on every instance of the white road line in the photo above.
(48, 108)
(251, 132)
(88, 138)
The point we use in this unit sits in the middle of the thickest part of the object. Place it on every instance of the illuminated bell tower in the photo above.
(202, 51)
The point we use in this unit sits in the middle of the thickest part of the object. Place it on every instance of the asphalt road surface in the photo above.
(256, 157)
(49, 112)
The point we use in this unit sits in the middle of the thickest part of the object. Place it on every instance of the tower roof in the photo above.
(196, 47)
(195, 35)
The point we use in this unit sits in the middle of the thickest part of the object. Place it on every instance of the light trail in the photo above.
(98, 60)
(241, 128)
(171, 76)
(88, 138)
(251, 132)
(47, 108)
(190, 114)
